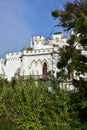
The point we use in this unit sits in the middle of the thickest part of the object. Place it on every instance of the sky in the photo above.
(21, 19)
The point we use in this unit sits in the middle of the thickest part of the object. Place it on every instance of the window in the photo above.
(57, 39)
(44, 70)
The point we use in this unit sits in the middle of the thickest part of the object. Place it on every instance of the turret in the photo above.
(37, 42)
(57, 36)
(58, 39)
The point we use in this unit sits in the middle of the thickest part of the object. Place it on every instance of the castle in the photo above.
(37, 60)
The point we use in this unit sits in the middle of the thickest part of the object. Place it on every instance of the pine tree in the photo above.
(73, 58)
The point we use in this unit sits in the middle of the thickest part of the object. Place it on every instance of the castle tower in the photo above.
(37, 42)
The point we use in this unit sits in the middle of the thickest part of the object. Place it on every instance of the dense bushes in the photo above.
(5, 126)
(76, 127)
(35, 105)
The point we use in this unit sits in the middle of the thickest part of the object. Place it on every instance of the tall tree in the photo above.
(73, 58)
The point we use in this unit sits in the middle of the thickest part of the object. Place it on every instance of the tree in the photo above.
(73, 58)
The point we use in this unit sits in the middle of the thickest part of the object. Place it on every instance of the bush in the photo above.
(76, 127)
(56, 128)
(5, 126)
(29, 104)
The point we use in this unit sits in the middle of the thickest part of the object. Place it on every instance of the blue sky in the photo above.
(21, 19)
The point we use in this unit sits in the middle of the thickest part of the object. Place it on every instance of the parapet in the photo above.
(36, 40)
(37, 51)
(57, 35)
(58, 39)
(2, 61)
(10, 55)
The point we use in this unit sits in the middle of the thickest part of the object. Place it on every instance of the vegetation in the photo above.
(35, 105)
(73, 63)
(39, 105)
(29, 104)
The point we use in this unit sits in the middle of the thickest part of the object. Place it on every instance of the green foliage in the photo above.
(73, 15)
(74, 18)
(29, 104)
(5, 126)
(74, 127)
(55, 13)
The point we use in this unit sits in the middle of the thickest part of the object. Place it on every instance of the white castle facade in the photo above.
(37, 60)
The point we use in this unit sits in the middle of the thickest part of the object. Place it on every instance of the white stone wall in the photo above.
(13, 62)
(32, 64)
(2, 68)
(30, 61)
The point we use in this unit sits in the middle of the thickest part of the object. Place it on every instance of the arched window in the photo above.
(44, 70)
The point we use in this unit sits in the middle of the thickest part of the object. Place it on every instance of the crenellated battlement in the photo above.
(2, 61)
(24, 63)
(59, 37)
(38, 38)
(37, 51)
(14, 55)
(37, 41)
